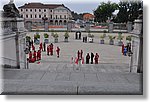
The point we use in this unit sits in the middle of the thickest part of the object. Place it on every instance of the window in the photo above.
(26, 9)
(39, 10)
(44, 10)
(21, 10)
(51, 16)
(44, 15)
(51, 11)
(39, 16)
(30, 16)
(31, 10)
(60, 16)
(26, 16)
(65, 16)
(21, 16)
(35, 16)
(56, 16)
(35, 10)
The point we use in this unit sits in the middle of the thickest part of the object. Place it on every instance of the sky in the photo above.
(79, 6)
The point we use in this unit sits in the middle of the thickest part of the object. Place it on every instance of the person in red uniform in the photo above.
(41, 47)
(96, 58)
(57, 51)
(122, 48)
(48, 50)
(39, 54)
(34, 55)
(51, 49)
(33, 47)
(30, 56)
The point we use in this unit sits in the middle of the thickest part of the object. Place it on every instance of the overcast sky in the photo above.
(79, 6)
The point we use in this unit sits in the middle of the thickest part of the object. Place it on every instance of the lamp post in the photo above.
(44, 20)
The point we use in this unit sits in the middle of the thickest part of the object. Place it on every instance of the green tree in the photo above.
(128, 11)
(104, 11)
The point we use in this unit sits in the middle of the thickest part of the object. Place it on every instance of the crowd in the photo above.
(36, 55)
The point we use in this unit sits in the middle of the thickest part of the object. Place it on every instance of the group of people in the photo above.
(35, 55)
(92, 58)
(126, 50)
(50, 50)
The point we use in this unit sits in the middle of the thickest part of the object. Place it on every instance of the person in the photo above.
(41, 46)
(37, 55)
(51, 49)
(44, 46)
(96, 58)
(122, 48)
(30, 56)
(87, 58)
(48, 50)
(34, 55)
(81, 54)
(78, 54)
(57, 51)
(33, 47)
(125, 51)
(92, 56)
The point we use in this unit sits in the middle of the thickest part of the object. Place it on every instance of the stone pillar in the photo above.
(46, 26)
(110, 28)
(136, 64)
(129, 27)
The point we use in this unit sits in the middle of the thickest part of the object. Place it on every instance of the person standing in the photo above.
(34, 55)
(41, 46)
(33, 47)
(87, 58)
(48, 50)
(30, 56)
(96, 58)
(81, 54)
(92, 56)
(38, 55)
(51, 48)
(78, 54)
(122, 48)
(125, 51)
(57, 51)
(44, 46)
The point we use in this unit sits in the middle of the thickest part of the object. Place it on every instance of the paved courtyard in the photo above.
(58, 76)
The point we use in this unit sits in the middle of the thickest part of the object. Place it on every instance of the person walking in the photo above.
(48, 50)
(92, 56)
(34, 55)
(57, 51)
(87, 58)
(122, 48)
(51, 49)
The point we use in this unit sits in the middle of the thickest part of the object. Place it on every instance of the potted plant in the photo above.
(55, 35)
(129, 38)
(102, 38)
(46, 40)
(120, 38)
(37, 38)
(66, 35)
(91, 36)
(111, 39)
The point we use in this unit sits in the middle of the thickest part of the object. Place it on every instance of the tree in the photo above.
(128, 11)
(104, 11)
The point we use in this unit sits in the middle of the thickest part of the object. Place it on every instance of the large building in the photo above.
(57, 14)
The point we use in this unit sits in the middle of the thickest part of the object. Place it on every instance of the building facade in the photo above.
(56, 14)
